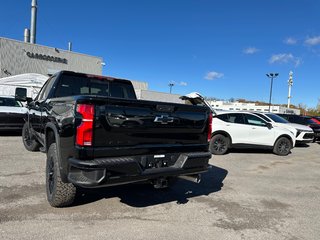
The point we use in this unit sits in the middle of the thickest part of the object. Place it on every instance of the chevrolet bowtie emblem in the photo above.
(163, 119)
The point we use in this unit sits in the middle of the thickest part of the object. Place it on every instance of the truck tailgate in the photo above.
(131, 125)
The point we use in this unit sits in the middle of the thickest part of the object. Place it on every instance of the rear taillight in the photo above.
(209, 126)
(85, 129)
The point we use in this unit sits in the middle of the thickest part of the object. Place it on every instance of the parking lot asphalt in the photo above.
(245, 195)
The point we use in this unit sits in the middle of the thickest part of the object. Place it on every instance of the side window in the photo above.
(223, 117)
(304, 121)
(46, 89)
(289, 118)
(120, 90)
(254, 120)
(296, 119)
(236, 118)
(284, 116)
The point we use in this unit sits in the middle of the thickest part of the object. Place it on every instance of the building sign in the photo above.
(47, 57)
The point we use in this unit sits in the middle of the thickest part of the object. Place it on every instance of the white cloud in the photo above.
(290, 41)
(213, 75)
(178, 84)
(285, 58)
(312, 41)
(250, 50)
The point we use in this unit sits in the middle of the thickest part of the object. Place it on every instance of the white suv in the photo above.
(304, 133)
(232, 129)
(244, 129)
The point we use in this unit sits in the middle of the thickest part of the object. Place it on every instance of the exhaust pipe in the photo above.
(193, 178)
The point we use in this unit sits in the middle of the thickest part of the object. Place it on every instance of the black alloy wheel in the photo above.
(59, 193)
(282, 146)
(50, 175)
(28, 140)
(219, 144)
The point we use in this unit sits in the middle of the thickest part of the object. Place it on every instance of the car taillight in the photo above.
(85, 129)
(209, 126)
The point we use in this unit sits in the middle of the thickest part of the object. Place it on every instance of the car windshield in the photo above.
(263, 117)
(9, 102)
(277, 118)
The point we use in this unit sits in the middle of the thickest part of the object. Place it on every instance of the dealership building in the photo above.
(17, 57)
(240, 106)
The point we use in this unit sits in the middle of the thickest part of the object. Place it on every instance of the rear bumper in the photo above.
(121, 170)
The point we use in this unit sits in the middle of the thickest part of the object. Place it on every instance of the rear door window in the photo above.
(223, 117)
(236, 118)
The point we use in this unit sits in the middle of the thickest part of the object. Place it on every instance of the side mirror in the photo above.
(269, 125)
(21, 94)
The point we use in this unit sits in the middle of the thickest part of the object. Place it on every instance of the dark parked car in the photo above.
(305, 120)
(316, 119)
(12, 114)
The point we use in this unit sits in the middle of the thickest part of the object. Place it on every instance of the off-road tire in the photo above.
(59, 194)
(219, 144)
(282, 146)
(28, 139)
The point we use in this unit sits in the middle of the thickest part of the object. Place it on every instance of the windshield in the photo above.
(263, 116)
(277, 118)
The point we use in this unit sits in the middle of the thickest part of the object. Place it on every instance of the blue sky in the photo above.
(221, 48)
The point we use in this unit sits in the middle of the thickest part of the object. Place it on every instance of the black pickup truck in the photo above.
(96, 133)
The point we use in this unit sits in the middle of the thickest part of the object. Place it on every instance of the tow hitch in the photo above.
(160, 183)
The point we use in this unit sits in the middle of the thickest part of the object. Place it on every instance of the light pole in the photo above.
(272, 76)
(290, 83)
(170, 86)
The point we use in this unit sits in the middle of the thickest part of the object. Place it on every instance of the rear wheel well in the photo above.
(50, 138)
(286, 136)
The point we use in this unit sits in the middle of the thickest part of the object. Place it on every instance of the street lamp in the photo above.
(170, 86)
(290, 83)
(272, 76)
